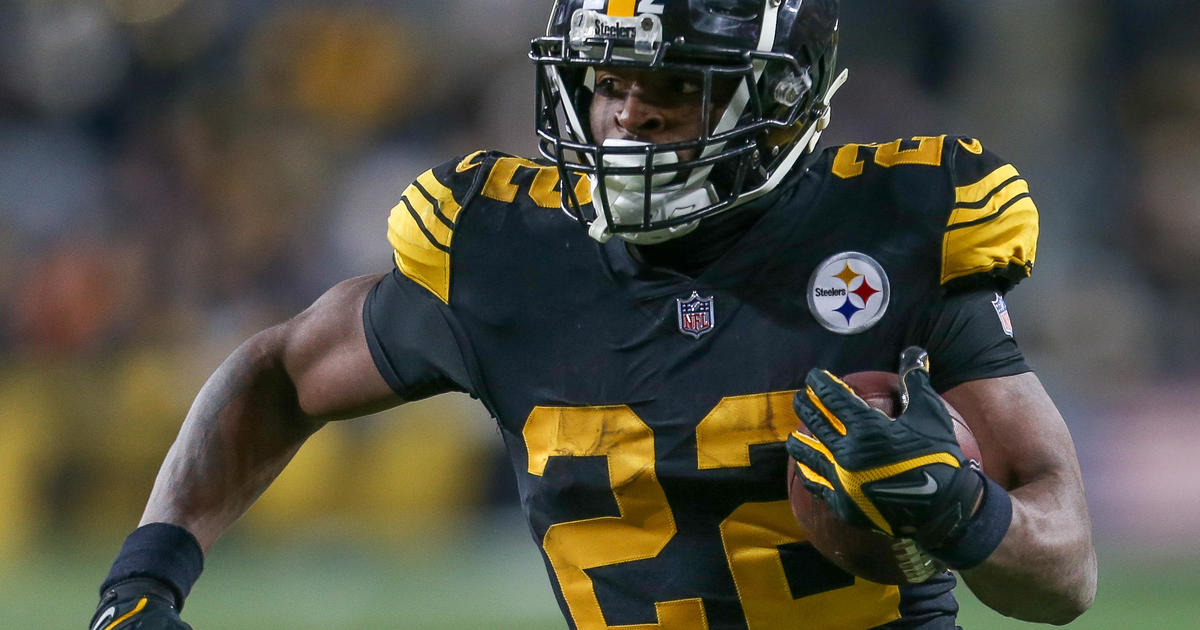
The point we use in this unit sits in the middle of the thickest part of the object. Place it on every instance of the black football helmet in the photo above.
(781, 56)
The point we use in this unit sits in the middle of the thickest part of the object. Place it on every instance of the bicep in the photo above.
(1022, 436)
(326, 356)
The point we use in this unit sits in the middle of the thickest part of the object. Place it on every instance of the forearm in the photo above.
(247, 422)
(243, 428)
(1045, 568)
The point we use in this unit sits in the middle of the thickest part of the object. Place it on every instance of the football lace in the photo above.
(916, 565)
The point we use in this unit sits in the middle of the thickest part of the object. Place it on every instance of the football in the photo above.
(862, 552)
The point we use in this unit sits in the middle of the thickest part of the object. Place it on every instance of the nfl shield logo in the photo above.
(696, 315)
(1002, 313)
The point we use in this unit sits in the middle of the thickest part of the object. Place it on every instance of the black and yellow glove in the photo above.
(905, 477)
(137, 604)
(149, 581)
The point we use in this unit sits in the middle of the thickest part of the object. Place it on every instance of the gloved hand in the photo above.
(137, 604)
(905, 477)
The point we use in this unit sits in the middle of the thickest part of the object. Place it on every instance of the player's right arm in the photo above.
(367, 344)
(247, 422)
(260, 405)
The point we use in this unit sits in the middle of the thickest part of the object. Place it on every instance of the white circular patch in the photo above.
(848, 293)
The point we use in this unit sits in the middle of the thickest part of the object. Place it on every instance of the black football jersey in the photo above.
(645, 411)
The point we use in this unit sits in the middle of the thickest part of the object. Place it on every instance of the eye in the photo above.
(608, 86)
(687, 86)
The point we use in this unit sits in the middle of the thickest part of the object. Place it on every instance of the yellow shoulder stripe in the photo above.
(994, 225)
(1007, 240)
(420, 230)
(974, 193)
(1007, 192)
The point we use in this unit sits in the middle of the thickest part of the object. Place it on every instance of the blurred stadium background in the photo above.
(178, 174)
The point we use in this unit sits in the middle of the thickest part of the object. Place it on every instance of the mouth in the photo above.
(629, 139)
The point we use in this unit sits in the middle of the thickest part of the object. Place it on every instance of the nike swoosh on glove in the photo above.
(905, 477)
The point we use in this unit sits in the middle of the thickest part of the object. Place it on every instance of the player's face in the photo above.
(653, 106)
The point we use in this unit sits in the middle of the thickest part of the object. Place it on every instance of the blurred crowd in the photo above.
(178, 174)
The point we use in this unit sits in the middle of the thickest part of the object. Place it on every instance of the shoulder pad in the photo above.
(992, 229)
(421, 226)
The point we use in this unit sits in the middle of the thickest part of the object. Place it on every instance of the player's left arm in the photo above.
(1045, 567)
(1021, 536)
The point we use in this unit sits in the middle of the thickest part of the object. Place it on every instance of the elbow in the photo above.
(1069, 601)
(1071, 608)
(1043, 596)
(1077, 600)
(1058, 610)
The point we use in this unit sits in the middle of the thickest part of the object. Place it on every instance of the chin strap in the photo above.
(803, 146)
(823, 122)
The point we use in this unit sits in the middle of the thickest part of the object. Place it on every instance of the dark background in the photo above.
(178, 174)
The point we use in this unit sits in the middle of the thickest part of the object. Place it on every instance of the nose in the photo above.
(639, 117)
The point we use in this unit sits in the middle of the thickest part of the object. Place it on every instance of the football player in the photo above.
(681, 277)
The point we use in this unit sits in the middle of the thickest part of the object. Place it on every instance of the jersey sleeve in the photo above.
(413, 341)
(411, 329)
(990, 237)
(969, 336)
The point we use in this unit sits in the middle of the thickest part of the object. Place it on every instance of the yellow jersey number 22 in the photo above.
(751, 534)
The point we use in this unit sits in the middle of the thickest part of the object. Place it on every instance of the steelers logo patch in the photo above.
(848, 293)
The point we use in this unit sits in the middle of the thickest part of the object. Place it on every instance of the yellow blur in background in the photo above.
(176, 175)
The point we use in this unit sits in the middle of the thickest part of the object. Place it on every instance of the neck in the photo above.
(692, 253)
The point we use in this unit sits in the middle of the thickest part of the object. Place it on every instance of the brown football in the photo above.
(865, 553)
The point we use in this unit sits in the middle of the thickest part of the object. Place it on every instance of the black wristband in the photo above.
(983, 532)
(162, 551)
